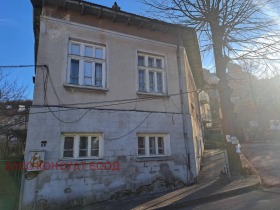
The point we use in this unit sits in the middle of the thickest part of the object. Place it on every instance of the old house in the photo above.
(115, 108)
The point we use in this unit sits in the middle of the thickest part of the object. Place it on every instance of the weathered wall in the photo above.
(60, 189)
(56, 188)
(53, 50)
(195, 136)
(197, 145)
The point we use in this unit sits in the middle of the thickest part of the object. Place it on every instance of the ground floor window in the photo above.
(82, 145)
(153, 145)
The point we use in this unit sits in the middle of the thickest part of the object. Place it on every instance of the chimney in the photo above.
(116, 7)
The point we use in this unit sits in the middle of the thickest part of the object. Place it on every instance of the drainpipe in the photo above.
(184, 111)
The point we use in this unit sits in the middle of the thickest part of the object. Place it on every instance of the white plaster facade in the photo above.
(119, 123)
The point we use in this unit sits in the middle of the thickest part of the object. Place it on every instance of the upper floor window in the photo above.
(86, 65)
(151, 73)
(82, 146)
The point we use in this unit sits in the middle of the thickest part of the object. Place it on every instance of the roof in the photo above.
(189, 39)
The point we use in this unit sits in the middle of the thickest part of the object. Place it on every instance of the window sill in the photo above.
(151, 94)
(152, 158)
(89, 88)
(81, 159)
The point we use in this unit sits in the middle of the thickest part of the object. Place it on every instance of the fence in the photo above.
(10, 181)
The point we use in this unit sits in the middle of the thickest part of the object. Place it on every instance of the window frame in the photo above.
(83, 59)
(154, 70)
(166, 142)
(76, 145)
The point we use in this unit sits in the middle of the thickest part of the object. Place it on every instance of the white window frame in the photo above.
(166, 142)
(82, 59)
(76, 145)
(147, 69)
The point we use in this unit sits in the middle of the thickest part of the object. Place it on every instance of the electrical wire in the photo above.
(69, 121)
(131, 130)
(111, 102)
(22, 66)
(98, 107)
(125, 101)
(47, 77)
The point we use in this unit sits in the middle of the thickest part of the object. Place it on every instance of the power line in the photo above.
(131, 130)
(47, 78)
(68, 121)
(23, 66)
(98, 107)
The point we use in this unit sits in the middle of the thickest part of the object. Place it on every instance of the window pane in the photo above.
(68, 153)
(160, 146)
(158, 63)
(74, 72)
(68, 147)
(98, 53)
(98, 74)
(94, 146)
(83, 146)
(94, 143)
(151, 81)
(150, 62)
(141, 74)
(152, 144)
(88, 73)
(83, 142)
(75, 49)
(88, 51)
(141, 145)
(68, 142)
(140, 60)
(94, 152)
(159, 82)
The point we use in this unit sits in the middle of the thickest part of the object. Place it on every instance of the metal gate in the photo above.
(10, 180)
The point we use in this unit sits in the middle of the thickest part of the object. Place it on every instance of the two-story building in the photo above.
(115, 108)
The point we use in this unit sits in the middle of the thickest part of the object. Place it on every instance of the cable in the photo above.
(68, 121)
(131, 130)
(126, 101)
(45, 82)
(22, 66)
(52, 85)
(110, 103)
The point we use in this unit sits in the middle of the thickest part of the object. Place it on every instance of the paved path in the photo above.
(265, 158)
(211, 186)
(212, 165)
(255, 200)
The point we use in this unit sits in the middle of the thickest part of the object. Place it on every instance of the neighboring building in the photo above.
(115, 89)
(255, 104)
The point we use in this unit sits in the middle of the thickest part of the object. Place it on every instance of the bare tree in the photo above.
(12, 119)
(232, 30)
(10, 90)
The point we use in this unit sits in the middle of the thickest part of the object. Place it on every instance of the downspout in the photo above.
(184, 112)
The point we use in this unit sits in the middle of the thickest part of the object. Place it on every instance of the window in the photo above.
(150, 73)
(82, 146)
(153, 145)
(86, 65)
